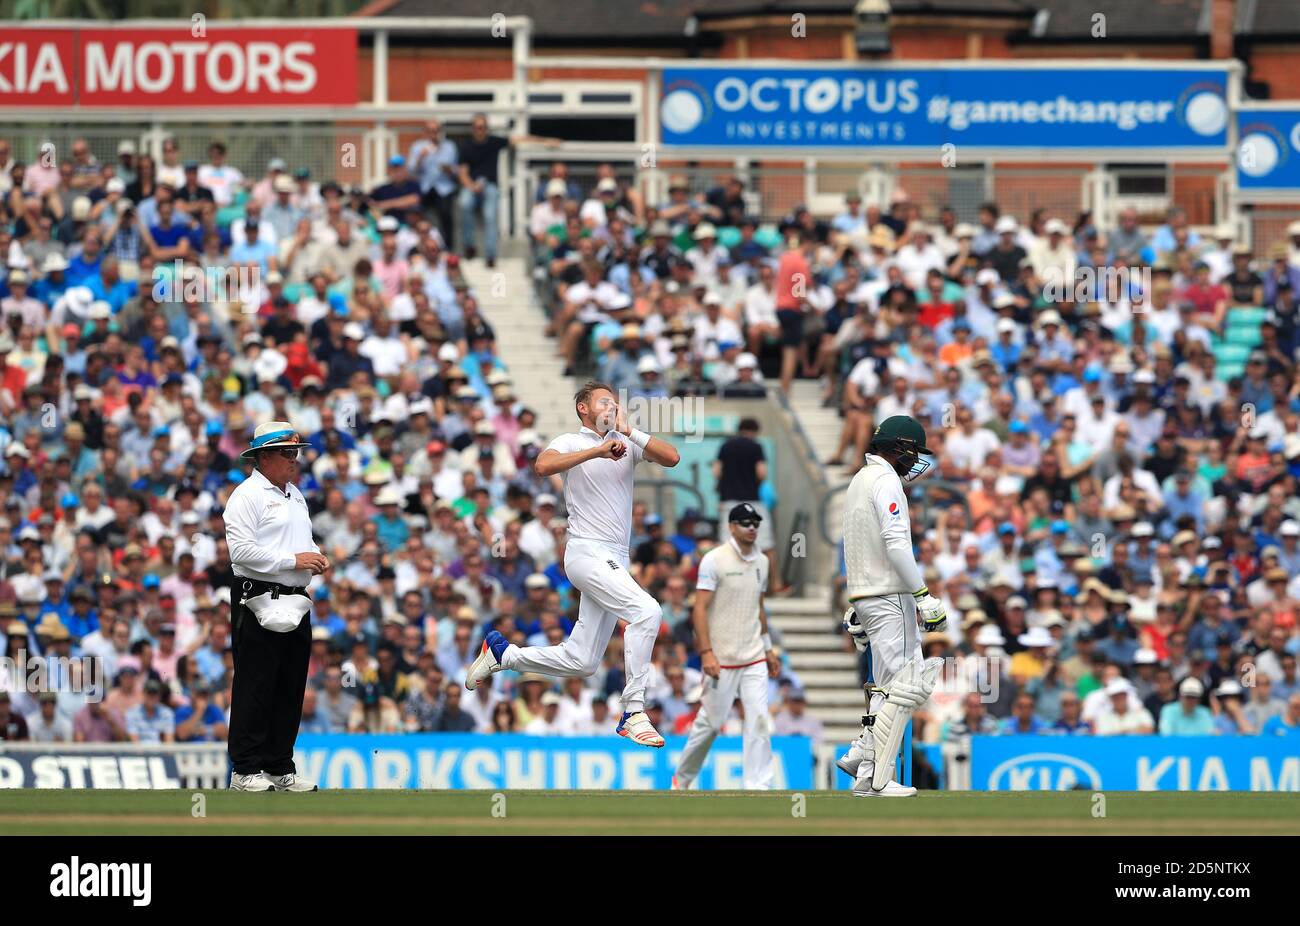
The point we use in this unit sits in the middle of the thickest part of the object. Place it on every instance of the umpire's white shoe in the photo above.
(255, 782)
(488, 661)
(638, 728)
(291, 782)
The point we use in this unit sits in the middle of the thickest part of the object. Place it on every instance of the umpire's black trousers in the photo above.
(266, 698)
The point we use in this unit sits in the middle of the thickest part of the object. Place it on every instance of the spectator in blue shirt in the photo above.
(1023, 720)
(1288, 684)
(1287, 724)
(435, 162)
(85, 265)
(314, 719)
(211, 659)
(1071, 722)
(1183, 500)
(1119, 647)
(200, 721)
(151, 721)
(390, 525)
(54, 283)
(253, 250)
(1231, 719)
(109, 286)
(170, 237)
(684, 539)
(1187, 716)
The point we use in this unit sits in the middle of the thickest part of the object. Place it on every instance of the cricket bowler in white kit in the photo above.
(735, 651)
(597, 463)
(886, 592)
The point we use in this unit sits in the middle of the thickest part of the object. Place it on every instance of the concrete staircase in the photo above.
(822, 425)
(822, 658)
(506, 299)
(819, 651)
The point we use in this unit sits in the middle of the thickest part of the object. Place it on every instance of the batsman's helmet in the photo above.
(904, 439)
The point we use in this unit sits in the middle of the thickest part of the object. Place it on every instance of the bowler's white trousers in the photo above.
(609, 594)
(715, 706)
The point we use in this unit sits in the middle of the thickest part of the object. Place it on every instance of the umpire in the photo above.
(266, 524)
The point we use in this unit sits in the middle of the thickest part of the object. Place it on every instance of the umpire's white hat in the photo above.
(273, 435)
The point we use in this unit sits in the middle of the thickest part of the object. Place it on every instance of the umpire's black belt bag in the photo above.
(278, 608)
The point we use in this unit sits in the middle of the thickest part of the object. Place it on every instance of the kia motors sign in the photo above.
(159, 68)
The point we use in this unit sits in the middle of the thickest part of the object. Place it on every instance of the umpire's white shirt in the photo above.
(875, 517)
(598, 493)
(266, 529)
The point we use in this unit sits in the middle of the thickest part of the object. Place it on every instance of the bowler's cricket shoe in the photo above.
(488, 661)
(291, 782)
(255, 782)
(862, 788)
(638, 728)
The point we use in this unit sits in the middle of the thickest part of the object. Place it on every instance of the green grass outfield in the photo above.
(27, 812)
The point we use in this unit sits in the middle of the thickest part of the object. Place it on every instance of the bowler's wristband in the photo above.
(638, 437)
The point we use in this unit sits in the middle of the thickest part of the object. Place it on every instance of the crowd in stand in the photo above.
(1112, 520)
(133, 370)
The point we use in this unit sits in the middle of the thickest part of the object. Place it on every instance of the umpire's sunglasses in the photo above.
(289, 453)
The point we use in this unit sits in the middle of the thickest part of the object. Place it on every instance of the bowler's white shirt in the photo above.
(598, 493)
(266, 529)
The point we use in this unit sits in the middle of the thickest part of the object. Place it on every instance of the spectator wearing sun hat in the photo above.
(1125, 714)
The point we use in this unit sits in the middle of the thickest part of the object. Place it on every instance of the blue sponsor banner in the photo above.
(1135, 763)
(516, 761)
(1268, 149)
(1055, 108)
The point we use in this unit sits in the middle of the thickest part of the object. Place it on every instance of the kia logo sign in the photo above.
(1043, 771)
(169, 67)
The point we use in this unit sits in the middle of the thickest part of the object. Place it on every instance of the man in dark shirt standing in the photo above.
(738, 471)
(479, 189)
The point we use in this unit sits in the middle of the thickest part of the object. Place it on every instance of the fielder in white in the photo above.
(887, 593)
(735, 651)
(597, 463)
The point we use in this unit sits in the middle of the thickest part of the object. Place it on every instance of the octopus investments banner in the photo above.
(516, 761)
(1048, 107)
(1268, 149)
(1135, 763)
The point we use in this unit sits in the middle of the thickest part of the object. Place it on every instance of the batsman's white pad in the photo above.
(909, 690)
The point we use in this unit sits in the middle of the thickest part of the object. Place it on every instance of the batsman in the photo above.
(887, 598)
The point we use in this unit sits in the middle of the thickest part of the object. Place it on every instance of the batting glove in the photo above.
(933, 616)
(856, 631)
